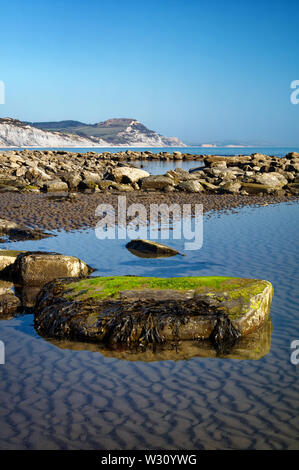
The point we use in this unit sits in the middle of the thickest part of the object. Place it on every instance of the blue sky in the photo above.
(201, 70)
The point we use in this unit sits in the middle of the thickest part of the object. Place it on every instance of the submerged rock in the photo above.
(150, 249)
(143, 311)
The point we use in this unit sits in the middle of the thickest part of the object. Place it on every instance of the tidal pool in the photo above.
(65, 395)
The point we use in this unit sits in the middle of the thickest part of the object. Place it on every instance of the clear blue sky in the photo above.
(200, 70)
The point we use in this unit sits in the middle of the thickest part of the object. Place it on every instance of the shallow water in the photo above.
(59, 398)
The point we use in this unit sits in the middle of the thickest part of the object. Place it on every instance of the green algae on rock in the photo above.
(142, 311)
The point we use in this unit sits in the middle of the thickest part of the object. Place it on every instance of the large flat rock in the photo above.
(144, 310)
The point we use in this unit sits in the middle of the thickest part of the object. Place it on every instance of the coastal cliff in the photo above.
(110, 133)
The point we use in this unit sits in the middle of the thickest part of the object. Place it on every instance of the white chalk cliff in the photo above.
(124, 133)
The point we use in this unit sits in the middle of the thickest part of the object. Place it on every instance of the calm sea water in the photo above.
(68, 396)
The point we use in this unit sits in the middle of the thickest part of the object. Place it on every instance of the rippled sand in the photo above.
(55, 398)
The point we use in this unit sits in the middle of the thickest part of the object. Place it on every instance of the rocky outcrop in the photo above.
(140, 311)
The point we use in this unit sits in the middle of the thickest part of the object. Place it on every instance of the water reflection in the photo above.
(251, 347)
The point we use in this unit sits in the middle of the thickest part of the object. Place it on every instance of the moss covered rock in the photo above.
(138, 311)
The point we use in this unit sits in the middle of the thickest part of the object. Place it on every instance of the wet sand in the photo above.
(56, 212)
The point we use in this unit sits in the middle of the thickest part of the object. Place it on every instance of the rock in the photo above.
(38, 268)
(143, 311)
(156, 182)
(5, 188)
(292, 155)
(55, 186)
(178, 174)
(208, 186)
(36, 173)
(7, 258)
(9, 306)
(87, 184)
(127, 174)
(196, 169)
(6, 225)
(232, 187)
(191, 186)
(177, 155)
(17, 232)
(293, 188)
(272, 180)
(72, 180)
(9, 303)
(235, 160)
(150, 249)
(255, 188)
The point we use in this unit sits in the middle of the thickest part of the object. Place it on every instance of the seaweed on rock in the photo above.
(137, 324)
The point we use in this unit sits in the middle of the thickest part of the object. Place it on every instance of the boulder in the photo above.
(126, 174)
(38, 268)
(158, 182)
(36, 173)
(177, 155)
(255, 188)
(271, 180)
(192, 186)
(143, 311)
(55, 186)
(232, 187)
